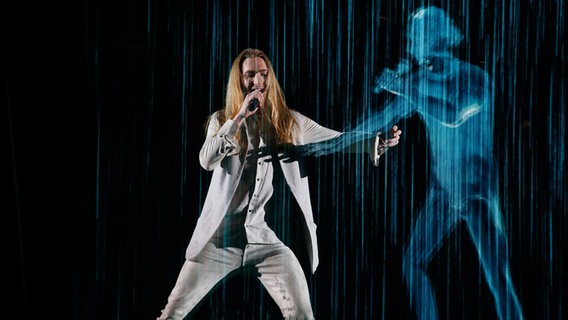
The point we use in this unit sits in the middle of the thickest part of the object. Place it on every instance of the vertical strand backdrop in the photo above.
(160, 69)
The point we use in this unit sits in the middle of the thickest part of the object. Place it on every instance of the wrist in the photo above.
(239, 118)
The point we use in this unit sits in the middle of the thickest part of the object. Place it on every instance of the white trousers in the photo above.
(278, 268)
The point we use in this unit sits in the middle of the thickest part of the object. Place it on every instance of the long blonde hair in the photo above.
(275, 112)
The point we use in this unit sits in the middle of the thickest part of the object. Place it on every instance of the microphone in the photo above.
(253, 104)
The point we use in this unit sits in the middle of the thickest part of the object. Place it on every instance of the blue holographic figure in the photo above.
(453, 98)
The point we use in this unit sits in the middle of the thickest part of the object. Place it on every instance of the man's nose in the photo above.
(258, 78)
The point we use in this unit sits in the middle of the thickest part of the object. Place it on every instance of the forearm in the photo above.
(219, 144)
(347, 142)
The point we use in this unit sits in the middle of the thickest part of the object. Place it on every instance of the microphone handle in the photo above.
(253, 104)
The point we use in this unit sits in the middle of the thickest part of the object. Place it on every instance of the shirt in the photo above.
(245, 220)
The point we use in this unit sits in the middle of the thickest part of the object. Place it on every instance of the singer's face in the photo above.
(255, 73)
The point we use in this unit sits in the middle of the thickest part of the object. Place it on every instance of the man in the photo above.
(454, 100)
(251, 146)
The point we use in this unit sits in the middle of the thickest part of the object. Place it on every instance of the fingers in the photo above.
(256, 94)
(395, 136)
(395, 131)
(251, 106)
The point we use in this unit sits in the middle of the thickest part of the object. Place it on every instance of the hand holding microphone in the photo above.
(255, 97)
(251, 108)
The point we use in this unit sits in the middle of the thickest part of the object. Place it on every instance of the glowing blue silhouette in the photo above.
(454, 100)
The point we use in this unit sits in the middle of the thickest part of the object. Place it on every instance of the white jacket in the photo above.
(221, 154)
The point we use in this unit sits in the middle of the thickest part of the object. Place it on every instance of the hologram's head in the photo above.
(431, 33)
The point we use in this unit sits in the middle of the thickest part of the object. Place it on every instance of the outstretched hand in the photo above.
(385, 141)
(391, 138)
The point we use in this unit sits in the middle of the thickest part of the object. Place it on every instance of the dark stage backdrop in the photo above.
(105, 103)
